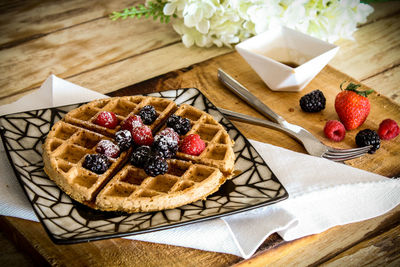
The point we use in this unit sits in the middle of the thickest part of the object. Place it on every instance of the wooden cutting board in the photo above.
(386, 161)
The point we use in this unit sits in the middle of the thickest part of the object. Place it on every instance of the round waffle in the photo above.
(124, 187)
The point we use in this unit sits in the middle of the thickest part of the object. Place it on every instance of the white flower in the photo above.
(173, 6)
(197, 14)
(227, 22)
(191, 36)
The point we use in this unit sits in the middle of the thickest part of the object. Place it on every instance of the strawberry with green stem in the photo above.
(352, 106)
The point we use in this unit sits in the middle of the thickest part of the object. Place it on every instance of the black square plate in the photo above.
(67, 221)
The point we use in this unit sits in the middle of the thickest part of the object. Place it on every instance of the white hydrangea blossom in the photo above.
(225, 22)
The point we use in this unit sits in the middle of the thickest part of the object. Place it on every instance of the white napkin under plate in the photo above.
(322, 193)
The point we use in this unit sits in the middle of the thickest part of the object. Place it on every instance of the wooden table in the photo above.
(76, 41)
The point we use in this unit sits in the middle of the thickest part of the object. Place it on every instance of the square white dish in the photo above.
(268, 52)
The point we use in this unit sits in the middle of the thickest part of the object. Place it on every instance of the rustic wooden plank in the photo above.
(316, 249)
(386, 83)
(22, 21)
(377, 45)
(138, 68)
(118, 77)
(114, 252)
(78, 49)
(22, 245)
(383, 10)
(15, 81)
(145, 66)
(10, 255)
(382, 250)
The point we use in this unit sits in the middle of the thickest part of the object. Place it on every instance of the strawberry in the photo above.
(352, 106)
(192, 145)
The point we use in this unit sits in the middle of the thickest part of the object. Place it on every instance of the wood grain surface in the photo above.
(75, 40)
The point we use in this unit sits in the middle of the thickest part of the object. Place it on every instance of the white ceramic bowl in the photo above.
(266, 52)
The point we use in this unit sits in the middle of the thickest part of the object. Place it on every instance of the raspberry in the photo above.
(156, 166)
(313, 102)
(368, 137)
(166, 143)
(179, 124)
(123, 139)
(192, 145)
(388, 129)
(148, 114)
(132, 122)
(96, 163)
(108, 148)
(334, 130)
(142, 136)
(141, 156)
(107, 119)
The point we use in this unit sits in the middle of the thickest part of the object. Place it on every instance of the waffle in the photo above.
(218, 152)
(64, 150)
(133, 190)
(124, 187)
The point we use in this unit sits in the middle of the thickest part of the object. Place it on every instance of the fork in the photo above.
(312, 145)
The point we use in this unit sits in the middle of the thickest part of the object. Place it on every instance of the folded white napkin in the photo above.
(322, 194)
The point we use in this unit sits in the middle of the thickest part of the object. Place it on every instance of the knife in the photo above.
(253, 101)
(248, 97)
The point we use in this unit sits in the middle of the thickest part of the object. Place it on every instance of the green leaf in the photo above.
(154, 9)
(353, 87)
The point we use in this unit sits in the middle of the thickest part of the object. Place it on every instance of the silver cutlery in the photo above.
(312, 145)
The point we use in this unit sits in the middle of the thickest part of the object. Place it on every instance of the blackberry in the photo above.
(123, 139)
(165, 146)
(172, 120)
(148, 114)
(141, 156)
(156, 166)
(313, 102)
(179, 124)
(368, 137)
(96, 163)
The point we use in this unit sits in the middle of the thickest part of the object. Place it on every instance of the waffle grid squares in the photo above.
(128, 188)
(68, 147)
(218, 150)
(132, 185)
(123, 108)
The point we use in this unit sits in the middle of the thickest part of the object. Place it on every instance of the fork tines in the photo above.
(345, 154)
